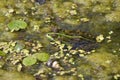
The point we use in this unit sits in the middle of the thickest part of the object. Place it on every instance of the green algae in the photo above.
(5, 75)
(65, 78)
(100, 63)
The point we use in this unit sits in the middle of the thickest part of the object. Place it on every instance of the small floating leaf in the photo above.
(2, 53)
(17, 25)
(42, 56)
(28, 61)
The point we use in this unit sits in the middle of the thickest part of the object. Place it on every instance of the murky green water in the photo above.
(80, 36)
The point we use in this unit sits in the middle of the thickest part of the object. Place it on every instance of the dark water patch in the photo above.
(41, 1)
(84, 45)
(28, 36)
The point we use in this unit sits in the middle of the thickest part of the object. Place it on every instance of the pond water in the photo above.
(60, 40)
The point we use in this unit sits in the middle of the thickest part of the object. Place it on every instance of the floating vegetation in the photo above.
(28, 61)
(17, 25)
(42, 56)
(31, 60)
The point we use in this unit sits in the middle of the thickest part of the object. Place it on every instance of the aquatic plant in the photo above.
(28, 61)
(17, 25)
(31, 60)
(42, 56)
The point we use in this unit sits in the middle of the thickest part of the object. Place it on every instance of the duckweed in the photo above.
(17, 25)
(28, 61)
(42, 56)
